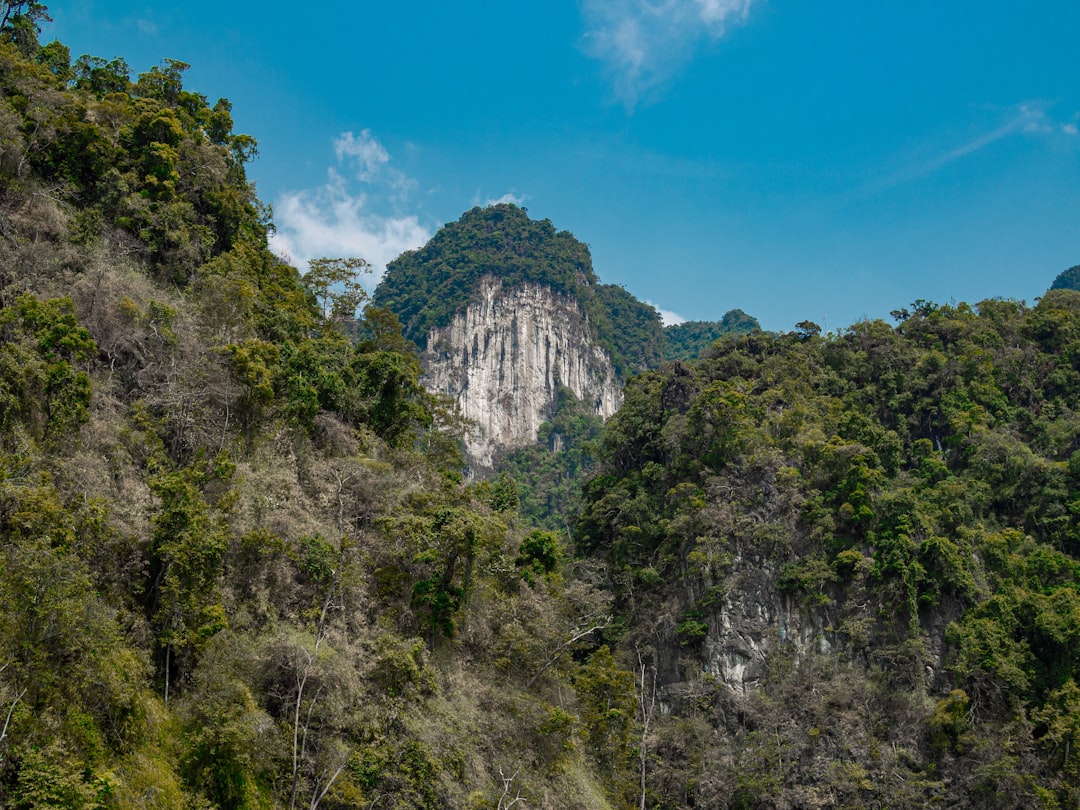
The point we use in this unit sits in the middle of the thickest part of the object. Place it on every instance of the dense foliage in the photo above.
(687, 340)
(1067, 279)
(238, 565)
(550, 473)
(904, 504)
(425, 288)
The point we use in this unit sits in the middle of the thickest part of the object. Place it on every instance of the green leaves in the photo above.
(687, 340)
(892, 481)
(334, 285)
(609, 709)
(540, 555)
(190, 538)
(40, 390)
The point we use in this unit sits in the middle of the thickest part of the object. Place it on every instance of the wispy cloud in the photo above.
(1029, 118)
(357, 212)
(642, 43)
(368, 155)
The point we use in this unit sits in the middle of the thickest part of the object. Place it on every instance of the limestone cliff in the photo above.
(504, 358)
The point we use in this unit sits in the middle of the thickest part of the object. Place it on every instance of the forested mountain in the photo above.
(1067, 279)
(686, 340)
(511, 317)
(850, 565)
(240, 567)
(425, 288)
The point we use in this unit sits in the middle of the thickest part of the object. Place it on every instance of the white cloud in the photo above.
(667, 316)
(370, 163)
(642, 43)
(508, 197)
(717, 12)
(336, 219)
(364, 150)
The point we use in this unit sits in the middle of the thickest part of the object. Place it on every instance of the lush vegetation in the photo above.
(903, 503)
(687, 340)
(425, 288)
(239, 567)
(1067, 279)
(549, 475)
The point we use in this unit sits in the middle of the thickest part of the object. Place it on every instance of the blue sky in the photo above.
(825, 161)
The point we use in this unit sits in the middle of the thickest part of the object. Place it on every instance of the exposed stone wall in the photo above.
(505, 357)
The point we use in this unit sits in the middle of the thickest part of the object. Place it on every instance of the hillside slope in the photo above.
(850, 566)
(238, 566)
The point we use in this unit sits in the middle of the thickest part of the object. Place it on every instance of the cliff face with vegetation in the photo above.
(852, 561)
(238, 564)
(240, 567)
(504, 359)
(509, 311)
(426, 288)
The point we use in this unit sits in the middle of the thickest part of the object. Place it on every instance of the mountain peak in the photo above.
(509, 312)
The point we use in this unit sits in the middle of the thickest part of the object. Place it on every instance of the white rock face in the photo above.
(506, 356)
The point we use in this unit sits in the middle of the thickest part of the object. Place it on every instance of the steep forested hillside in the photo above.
(877, 535)
(426, 287)
(1067, 279)
(549, 474)
(238, 567)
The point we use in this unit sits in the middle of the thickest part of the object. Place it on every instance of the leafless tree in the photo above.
(7, 717)
(302, 716)
(646, 707)
(506, 801)
(577, 633)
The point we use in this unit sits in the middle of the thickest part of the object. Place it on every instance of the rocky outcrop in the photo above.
(754, 621)
(505, 357)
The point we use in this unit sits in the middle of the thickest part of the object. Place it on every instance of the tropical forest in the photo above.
(244, 563)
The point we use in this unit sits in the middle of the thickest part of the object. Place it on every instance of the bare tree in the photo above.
(7, 718)
(646, 707)
(506, 801)
(577, 633)
(302, 716)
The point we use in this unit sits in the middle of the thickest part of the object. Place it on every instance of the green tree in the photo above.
(189, 540)
(40, 390)
(336, 288)
(20, 21)
(687, 340)
(12, 9)
(608, 711)
(1067, 279)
